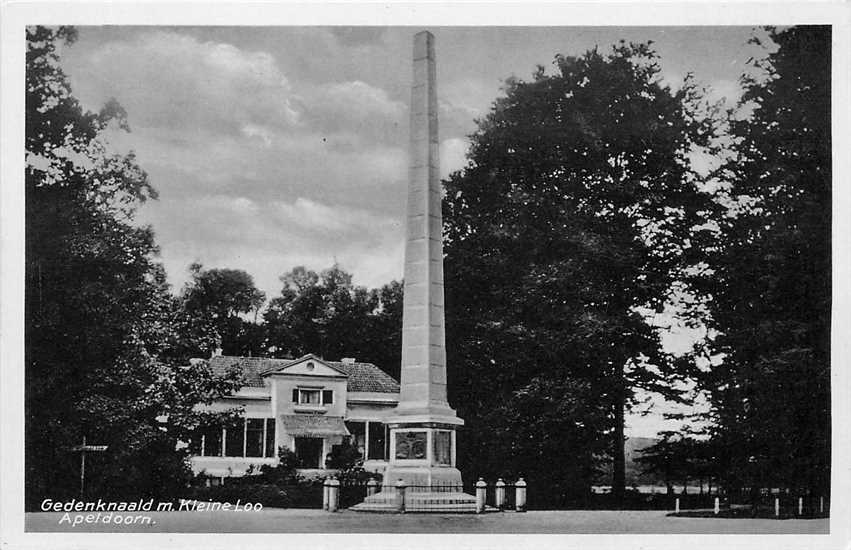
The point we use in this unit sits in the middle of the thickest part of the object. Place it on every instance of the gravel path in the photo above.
(315, 521)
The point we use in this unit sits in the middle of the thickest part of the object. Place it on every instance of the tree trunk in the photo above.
(618, 460)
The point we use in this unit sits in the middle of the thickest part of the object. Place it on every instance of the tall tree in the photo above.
(328, 315)
(574, 221)
(383, 342)
(100, 358)
(221, 298)
(677, 457)
(771, 286)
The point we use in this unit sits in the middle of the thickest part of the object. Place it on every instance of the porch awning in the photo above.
(313, 425)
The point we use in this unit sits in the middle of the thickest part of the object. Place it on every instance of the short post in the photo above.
(400, 496)
(500, 494)
(776, 507)
(800, 506)
(333, 495)
(520, 495)
(326, 488)
(481, 495)
(371, 487)
(677, 505)
(821, 505)
(717, 505)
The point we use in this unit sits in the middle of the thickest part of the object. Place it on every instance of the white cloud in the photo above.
(672, 79)
(728, 90)
(353, 114)
(361, 99)
(453, 155)
(472, 96)
(315, 217)
(167, 79)
(704, 162)
(243, 205)
(257, 130)
(268, 239)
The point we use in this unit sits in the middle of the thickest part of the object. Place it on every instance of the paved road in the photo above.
(315, 521)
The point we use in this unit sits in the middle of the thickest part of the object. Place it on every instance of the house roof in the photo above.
(251, 367)
(367, 377)
(361, 377)
(303, 358)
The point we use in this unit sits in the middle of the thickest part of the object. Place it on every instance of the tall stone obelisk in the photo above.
(422, 428)
(423, 379)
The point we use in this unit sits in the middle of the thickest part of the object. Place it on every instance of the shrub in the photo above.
(284, 472)
(347, 460)
(258, 493)
(344, 457)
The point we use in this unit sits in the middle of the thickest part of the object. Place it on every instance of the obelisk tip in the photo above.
(423, 45)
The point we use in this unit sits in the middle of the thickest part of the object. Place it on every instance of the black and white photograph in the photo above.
(381, 277)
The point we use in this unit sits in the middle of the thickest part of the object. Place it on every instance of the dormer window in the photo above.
(309, 397)
(313, 396)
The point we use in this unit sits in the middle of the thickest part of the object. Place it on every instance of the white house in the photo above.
(307, 405)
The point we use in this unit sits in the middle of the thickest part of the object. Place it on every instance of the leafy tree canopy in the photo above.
(326, 314)
(101, 347)
(771, 284)
(577, 216)
(222, 293)
(216, 303)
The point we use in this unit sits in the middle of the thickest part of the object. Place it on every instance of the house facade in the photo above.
(307, 405)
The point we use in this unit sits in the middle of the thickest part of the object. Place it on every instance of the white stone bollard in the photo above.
(400, 496)
(520, 495)
(677, 505)
(481, 495)
(717, 505)
(325, 489)
(800, 506)
(333, 495)
(371, 487)
(776, 507)
(500, 494)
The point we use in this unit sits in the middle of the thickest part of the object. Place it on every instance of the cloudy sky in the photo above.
(273, 147)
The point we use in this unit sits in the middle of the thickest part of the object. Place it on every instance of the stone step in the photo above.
(432, 501)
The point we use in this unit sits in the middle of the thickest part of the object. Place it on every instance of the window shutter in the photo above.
(295, 395)
(327, 397)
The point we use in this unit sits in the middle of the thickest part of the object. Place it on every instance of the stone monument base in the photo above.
(426, 489)
(418, 502)
(423, 476)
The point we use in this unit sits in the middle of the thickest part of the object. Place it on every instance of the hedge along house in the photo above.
(307, 405)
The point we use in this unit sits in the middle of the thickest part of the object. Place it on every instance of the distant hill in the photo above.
(633, 469)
